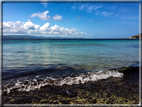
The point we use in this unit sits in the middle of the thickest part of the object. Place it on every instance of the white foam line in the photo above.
(82, 78)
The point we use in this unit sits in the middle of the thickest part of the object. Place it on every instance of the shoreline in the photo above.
(107, 91)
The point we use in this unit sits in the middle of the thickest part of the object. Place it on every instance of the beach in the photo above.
(76, 53)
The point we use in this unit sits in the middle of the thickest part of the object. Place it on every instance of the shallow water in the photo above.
(64, 61)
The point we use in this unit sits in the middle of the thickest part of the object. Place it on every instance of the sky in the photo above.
(74, 20)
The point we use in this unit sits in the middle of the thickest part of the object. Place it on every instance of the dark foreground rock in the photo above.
(109, 91)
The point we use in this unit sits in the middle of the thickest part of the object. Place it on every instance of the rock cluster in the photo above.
(135, 37)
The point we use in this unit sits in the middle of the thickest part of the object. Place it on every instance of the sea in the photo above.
(31, 64)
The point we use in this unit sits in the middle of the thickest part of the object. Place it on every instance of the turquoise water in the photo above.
(31, 64)
(99, 53)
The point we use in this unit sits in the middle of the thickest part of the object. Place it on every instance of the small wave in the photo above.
(26, 84)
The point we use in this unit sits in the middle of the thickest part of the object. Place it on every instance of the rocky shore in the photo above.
(108, 91)
(134, 37)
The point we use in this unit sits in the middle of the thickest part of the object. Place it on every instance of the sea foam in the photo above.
(25, 84)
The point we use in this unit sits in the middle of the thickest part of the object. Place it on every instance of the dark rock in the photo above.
(69, 93)
(64, 101)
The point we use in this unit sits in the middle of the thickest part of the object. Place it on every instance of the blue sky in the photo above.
(87, 20)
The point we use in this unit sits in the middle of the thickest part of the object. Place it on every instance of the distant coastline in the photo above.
(27, 37)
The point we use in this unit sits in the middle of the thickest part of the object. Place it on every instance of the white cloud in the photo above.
(29, 28)
(103, 13)
(6, 25)
(55, 28)
(57, 17)
(88, 8)
(46, 26)
(117, 15)
(97, 12)
(12, 27)
(93, 7)
(42, 16)
(29, 25)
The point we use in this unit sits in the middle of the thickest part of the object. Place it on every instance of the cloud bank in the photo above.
(29, 28)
